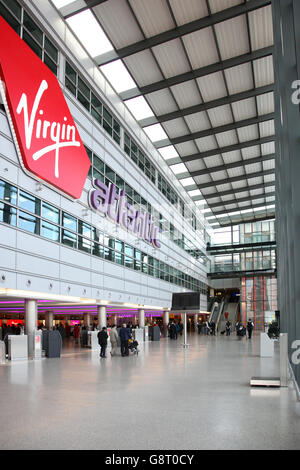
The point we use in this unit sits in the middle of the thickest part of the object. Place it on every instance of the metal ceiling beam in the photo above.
(191, 27)
(220, 129)
(229, 148)
(234, 191)
(256, 174)
(89, 4)
(201, 72)
(242, 221)
(250, 206)
(240, 163)
(198, 108)
(242, 199)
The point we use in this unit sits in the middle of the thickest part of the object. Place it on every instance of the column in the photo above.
(166, 321)
(286, 19)
(30, 323)
(141, 318)
(87, 320)
(49, 320)
(195, 321)
(101, 316)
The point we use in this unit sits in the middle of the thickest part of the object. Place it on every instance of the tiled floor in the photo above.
(167, 397)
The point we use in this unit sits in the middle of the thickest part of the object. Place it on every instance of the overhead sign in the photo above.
(48, 143)
(107, 201)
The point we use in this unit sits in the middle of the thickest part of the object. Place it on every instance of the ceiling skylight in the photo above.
(195, 192)
(155, 132)
(168, 152)
(118, 75)
(62, 3)
(187, 181)
(139, 108)
(178, 168)
(90, 33)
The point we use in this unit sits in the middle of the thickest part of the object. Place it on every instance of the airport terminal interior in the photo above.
(149, 224)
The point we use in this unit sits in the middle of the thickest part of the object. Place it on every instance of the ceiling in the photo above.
(204, 68)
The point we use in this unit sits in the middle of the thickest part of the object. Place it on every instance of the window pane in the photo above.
(69, 238)
(29, 203)
(97, 250)
(84, 229)
(84, 89)
(50, 231)
(119, 246)
(8, 214)
(49, 62)
(129, 250)
(33, 28)
(109, 254)
(70, 72)
(128, 262)
(69, 222)
(32, 44)
(8, 192)
(84, 245)
(10, 19)
(119, 258)
(50, 213)
(14, 7)
(29, 223)
(51, 49)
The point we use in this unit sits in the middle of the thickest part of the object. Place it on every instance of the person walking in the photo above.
(125, 336)
(250, 326)
(102, 340)
(113, 336)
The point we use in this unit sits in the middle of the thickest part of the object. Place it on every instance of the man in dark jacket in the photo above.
(125, 335)
(102, 340)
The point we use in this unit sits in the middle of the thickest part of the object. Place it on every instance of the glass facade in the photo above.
(258, 299)
(40, 218)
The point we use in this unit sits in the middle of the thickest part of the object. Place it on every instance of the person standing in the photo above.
(102, 340)
(228, 328)
(250, 326)
(125, 336)
(113, 336)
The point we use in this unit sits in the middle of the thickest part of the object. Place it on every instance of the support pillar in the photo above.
(185, 345)
(141, 318)
(101, 317)
(166, 320)
(49, 320)
(87, 320)
(30, 323)
(196, 316)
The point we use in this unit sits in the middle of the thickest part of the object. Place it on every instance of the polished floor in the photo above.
(167, 397)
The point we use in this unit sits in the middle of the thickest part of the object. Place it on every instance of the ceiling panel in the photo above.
(265, 103)
(171, 58)
(244, 109)
(175, 128)
(261, 27)
(232, 36)
(185, 15)
(154, 17)
(113, 13)
(206, 143)
(201, 56)
(219, 5)
(263, 71)
(197, 122)
(227, 138)
(239, 78)
(220, 116)
(212, 86)
(232, 157)
(143, 68)
(186, 94)
(186, 148)
(162, 102)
